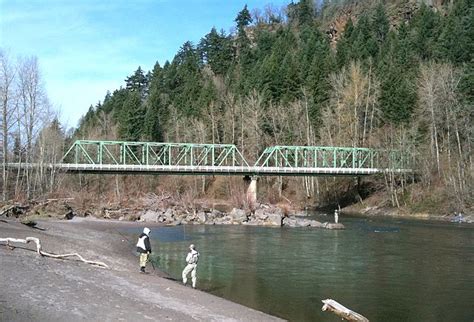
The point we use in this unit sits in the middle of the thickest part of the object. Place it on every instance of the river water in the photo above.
(385, 269)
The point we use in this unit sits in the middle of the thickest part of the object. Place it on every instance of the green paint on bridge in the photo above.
(190, 158)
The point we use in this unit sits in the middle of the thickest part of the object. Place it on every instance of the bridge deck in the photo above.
(207, 170)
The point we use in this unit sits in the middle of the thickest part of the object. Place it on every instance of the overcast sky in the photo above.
(86, 47)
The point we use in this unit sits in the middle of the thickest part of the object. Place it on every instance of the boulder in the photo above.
(227, 220)
(238, 215)
(335, 226)
(260, 214)
(150, 216)
(301, 222)
(201, 217)
(169, 215)
(290, 222)
(275, 220)
(315, 223)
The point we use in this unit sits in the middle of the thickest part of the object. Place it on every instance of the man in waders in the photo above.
(144, 248)
(191, 260)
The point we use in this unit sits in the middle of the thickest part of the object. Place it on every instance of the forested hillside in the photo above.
(389, 74)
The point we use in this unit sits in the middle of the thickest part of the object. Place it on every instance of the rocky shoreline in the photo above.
(268, 216)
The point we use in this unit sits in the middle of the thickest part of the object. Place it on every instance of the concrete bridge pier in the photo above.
(251, 190)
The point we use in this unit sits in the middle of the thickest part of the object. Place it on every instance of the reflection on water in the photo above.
(387, 270)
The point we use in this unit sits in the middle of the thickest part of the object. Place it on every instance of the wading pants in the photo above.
(143, 259)
(190, 268)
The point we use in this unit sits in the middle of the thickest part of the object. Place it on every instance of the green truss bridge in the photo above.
(86, 156)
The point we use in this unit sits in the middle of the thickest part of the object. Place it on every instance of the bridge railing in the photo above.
(153, 153)
(332, 157)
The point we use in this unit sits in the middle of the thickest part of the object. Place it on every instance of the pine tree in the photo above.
(243, 19)
(138, 82)
(344, 45)
(424, 32)
(396, 72)
(217, 51)
(132, 118)
(380, 25)
(364, 45)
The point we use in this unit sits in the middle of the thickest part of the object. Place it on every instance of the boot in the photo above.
(142, 269)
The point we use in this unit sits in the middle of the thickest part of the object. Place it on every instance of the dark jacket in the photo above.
(146, 242)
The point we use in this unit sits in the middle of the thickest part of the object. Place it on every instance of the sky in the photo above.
(86, 47)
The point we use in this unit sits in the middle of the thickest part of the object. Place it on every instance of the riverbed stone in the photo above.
(169, 215)
(290, 222)
(335, 226)
(238, 215)
(261, 214)
(275, 220)
(201, 217)
(315, 223)
(150, 216)
(302, 222)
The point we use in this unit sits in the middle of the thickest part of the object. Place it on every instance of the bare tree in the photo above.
(351, 114)
(34, 105)
(8, 101)
(450, 127)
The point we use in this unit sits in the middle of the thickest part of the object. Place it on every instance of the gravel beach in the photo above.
(36, 288)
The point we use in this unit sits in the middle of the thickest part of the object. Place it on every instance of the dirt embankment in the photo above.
(36, 288)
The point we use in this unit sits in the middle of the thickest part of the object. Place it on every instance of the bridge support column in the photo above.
(251, 191)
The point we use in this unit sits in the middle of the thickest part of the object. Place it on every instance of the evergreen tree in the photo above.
(132, 118)
(344, 45)
(243, 19)
(424, 32)
(217, 51)
(156, 109)
(380, 25)
(306, 12)
(456, 40)
(138, 82)
(396, 72)
(364, 45)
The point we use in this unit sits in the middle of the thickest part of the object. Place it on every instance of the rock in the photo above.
(290, 222)
(201, 217)
(227, 220)
(301, 222)
(335, 226)
(260, 214)
(315, 223)
(275, 220)
(150, 216)
(238, 215)
(169, 215)
(217, 214)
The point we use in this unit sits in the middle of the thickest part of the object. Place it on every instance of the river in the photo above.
(385, 269)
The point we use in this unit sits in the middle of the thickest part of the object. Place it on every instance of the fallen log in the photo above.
(342, 311)
(43, 253)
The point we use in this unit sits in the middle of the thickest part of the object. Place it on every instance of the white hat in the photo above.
(191, 246)
(146, 231)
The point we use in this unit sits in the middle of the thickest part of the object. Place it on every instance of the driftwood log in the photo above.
(342, 311)
(43, 253)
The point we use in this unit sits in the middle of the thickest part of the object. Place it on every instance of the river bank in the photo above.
(36, 288)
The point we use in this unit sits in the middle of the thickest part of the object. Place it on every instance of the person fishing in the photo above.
(144, 248)
(191, 260)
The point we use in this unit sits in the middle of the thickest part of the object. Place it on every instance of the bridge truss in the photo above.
(88, 156)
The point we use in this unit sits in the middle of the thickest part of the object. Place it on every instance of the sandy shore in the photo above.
(35, 288)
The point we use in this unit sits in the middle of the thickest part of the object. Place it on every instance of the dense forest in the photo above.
(388, 74)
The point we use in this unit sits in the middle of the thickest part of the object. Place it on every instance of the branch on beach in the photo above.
(342, 311)
(43, 253)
